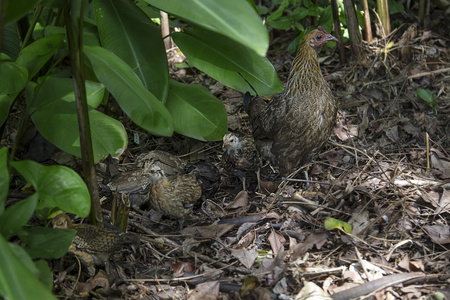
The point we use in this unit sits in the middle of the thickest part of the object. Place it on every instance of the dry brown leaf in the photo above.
(317, 239)
(207, 291)
(246, 240)
(404, 263)
(439, 234)
(359, 220)
(99, 280)
(444, 202)
(431, 197)
(268, 187)
(313, 292)
(210, 231)
(241, 200)
(246, 256)
(392, 134)
(276, 241)
(345, 132)
(417, 266)
(441, 163)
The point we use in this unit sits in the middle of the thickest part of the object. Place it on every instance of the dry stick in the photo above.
(372, 65)
(428, 152)
(429, 73)
(360, 259)
(375, 285)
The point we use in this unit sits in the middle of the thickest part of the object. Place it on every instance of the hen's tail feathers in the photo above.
(248, 97)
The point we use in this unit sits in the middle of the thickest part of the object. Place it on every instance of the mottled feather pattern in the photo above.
(240, 153)
(175, 195)
(291, 128)
(91, 239)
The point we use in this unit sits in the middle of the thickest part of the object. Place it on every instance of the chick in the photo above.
(240, 156)
(174, 195)
(169, 163)
(94, 245)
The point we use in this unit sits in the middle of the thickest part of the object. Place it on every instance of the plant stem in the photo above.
(75, 40)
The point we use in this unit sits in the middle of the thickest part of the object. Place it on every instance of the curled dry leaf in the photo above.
(99, 280)
(246, 240)
(205, 291)
(276, 241)
(240, 201)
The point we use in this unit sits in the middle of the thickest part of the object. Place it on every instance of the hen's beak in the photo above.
(331, 38)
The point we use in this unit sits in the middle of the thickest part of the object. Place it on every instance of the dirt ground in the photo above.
(385, 171)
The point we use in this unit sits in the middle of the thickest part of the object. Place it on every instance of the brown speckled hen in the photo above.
(292, 128)
(94, 245)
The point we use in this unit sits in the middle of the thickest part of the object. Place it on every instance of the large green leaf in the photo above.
(127, 32)
(56, 186)
(11, 41)
(44, 242)
(235, 19)
(53, 111)
(4, 178)
(13, 77)
(17, 215)
(135, 100)
(4, 108)
(16, 9)
(196, 113)
(45, 274)
(36, 55)
(223, 59)
(16, 270)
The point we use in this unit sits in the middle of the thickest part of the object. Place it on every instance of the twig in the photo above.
(429, 73)
(375, 285)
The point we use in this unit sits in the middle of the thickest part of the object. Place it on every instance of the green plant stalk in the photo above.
(383, 10)
(75, 40)
(36, 16)
(421, 11)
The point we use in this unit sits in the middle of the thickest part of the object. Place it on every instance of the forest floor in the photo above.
(385, 171)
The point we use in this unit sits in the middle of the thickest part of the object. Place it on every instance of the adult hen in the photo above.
(291, 129)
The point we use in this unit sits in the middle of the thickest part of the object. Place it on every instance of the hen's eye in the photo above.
(319, 37)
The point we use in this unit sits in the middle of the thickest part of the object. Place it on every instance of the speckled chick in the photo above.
(167, 162)
(240, 156)
(174, 195)
(94, 245)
